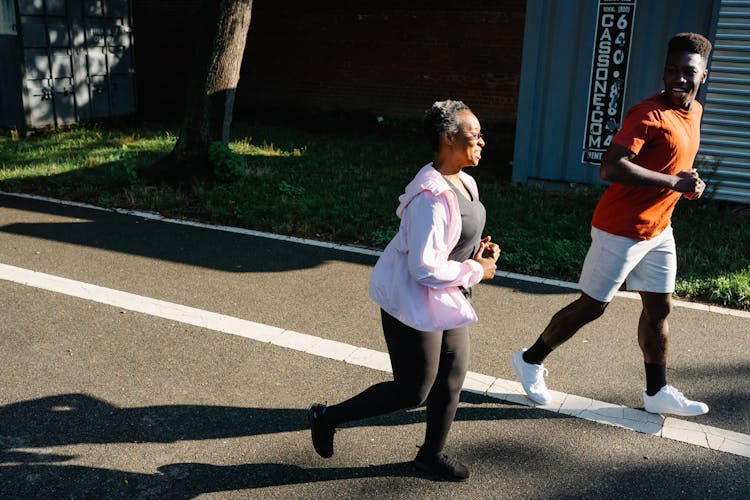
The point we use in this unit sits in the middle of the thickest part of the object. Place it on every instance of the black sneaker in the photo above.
(322, 435)
(441, 465)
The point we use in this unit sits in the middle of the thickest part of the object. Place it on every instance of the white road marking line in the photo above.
(568, 404)
(355, 249)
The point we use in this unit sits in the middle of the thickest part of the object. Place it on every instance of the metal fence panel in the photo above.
(72, 52)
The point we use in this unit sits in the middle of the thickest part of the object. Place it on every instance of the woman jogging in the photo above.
(422, 283)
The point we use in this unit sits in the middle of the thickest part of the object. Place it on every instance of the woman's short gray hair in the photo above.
(442, 117)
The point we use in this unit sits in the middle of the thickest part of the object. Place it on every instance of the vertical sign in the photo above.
(609, 67)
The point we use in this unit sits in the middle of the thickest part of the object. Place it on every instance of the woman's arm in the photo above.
(427, 234)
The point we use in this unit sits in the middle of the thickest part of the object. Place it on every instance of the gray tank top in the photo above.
(473, 218)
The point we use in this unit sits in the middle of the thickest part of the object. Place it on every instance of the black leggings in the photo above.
(427, 366)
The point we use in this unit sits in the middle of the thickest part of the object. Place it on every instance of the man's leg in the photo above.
(563, 325)
(653, 328)
(527, 364)
(608, 262)
(653, 338)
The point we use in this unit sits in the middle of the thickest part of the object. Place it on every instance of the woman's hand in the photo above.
(487, 262)
(491, 249)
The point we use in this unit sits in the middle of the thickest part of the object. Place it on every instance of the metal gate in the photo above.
(724, 157)
(77, 57)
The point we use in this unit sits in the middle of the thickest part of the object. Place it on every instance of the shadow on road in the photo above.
(80, 419)
(195, 246)
(181, 480)
(71, 419)
(220, 250)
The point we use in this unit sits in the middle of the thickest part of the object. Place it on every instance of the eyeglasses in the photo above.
(476, 137)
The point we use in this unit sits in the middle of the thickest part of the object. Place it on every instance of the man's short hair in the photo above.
(690, 42)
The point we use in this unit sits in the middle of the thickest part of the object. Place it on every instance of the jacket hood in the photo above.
(427, 179)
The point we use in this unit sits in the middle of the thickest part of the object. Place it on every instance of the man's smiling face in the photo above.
(684, 72)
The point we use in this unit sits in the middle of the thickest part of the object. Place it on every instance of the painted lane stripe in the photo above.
(567, 404)
(355, 249)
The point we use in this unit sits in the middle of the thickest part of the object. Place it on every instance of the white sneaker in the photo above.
(670, 400)
(532, 378)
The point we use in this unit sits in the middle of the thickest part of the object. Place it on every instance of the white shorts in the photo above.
(647, 265)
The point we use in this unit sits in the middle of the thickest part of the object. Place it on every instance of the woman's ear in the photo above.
(446, 138)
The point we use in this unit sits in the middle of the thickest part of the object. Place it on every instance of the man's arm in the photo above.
(617, 167)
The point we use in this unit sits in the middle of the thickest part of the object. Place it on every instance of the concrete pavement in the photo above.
(99, 400)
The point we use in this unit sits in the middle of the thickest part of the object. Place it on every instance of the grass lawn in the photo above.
(337, 182)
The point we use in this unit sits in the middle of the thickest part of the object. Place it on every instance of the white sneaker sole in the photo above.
(679, 413)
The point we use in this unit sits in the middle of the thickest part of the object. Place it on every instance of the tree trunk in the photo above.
(211, 88)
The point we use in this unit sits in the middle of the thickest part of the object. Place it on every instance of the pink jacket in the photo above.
(413, 280)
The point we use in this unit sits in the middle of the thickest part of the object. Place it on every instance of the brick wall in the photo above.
(379, 56)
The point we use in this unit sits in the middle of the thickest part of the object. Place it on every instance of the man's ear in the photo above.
(447, 138)
(705, 76)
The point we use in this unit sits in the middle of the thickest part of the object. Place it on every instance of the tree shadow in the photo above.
(195, 246)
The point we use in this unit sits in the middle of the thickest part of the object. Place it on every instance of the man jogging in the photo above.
(650, 166)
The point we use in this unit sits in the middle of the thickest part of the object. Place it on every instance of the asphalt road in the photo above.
(99, 401)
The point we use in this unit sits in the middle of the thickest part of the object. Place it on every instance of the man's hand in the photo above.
(690, 184)
(617, 167)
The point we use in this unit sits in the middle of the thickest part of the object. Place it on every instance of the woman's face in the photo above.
(466, 145)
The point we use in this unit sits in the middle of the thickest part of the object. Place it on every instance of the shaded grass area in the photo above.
(338, 180)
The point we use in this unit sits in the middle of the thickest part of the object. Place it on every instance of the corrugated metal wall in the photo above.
(559, 41)
(724, 157)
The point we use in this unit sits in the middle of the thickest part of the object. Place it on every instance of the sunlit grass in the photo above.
(34, 171)
(728, 289)
(52, 155)
(245, 147)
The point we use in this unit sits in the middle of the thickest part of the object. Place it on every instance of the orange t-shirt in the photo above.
(664, 139)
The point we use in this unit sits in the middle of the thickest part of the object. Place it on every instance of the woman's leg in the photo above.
(415, 359)
(446, 390)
